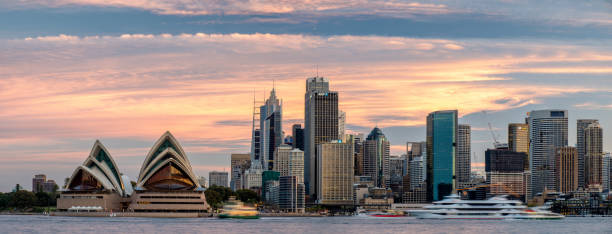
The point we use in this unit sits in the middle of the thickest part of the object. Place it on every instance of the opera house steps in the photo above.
(166, 187)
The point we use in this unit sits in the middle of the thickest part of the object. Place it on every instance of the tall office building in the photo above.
(606, 172)
(271, 114)
(547, 132)
(518, 139)
(417, 173)
(239, 164)
(320, 126)
(593, 139)
(341, 125)
(415, 149)
(505, 170)
(37, 182)
(581, 125)
(218, 178)
(336, 173)
(357, 141)
(376, 150)
(291, 195)
(441, 149)
(463, 162)
(566, 169)
(397, 167)
(290, 162)
(298, 137)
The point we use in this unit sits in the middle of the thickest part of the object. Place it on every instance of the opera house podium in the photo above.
(166, 187)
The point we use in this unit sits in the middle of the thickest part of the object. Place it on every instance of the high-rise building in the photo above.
(341, 125)
(566, 169)
(270, 184)
(441, 149)
(271, 114)
(298, 137)
(581, 125)
(376, 150)
(239, 164)
(291, 195)
(202, 181)
(252, 178)
(518, 139)
(415, 149)
(290, 162)
(463, 162)
(218, 178)
(396, 175)
(593, 139)
(37, 182)
(606, 172)
(336, 173)
(357, 141)
(417, 173)
(547, 132)
(505, 171)
(320, 126)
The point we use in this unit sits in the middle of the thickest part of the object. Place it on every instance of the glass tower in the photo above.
(441, 150)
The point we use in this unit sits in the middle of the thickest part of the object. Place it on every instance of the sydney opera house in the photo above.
(166, 184)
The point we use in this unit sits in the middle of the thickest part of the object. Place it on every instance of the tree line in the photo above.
(216, 195)
(23, 200)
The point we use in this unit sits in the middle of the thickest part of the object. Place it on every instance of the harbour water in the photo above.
(338, 225)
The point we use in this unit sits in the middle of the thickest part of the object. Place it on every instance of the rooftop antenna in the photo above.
(317, 70)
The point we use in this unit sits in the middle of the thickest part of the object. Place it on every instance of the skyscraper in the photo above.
(505, 170)
(582, 124)
(462, 158)
(357, 141)
(566, 169)
(239, 164)
(291, 194)
(606, 172)
(518, 139)
(547, 132)
(218, 178)
(441, 149)
(415, 149)
(593, 139)
(298, 137)
(271, 114)
(37, 182)
(335, 173)
(290, 162)
(341, 125)
(376, 150)
(321, 126)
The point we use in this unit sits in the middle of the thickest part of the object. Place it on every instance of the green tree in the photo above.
(43, 199)
(4, 201)
(216, 195)
(22, 199)
(247, 195)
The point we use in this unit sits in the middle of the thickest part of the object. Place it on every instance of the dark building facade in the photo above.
(502, 160)
(320, 126)
(298, 137)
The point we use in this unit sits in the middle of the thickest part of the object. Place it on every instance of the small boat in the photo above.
(495, 208)
(235, 209)
(387, 214)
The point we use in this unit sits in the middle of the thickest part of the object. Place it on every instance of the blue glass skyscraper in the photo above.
(441, 150)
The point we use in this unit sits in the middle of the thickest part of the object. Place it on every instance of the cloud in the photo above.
(69, 90)
(234, 7)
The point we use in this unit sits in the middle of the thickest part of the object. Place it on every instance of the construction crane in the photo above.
(496, 143)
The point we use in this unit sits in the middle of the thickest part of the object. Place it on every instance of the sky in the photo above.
(124, 72)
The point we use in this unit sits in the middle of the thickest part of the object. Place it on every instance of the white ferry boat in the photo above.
(452, 207)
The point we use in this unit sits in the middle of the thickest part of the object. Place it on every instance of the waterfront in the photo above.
(50, 224)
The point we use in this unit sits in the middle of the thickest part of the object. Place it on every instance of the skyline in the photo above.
(67, 85)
